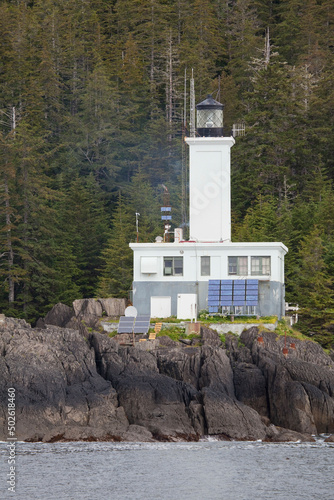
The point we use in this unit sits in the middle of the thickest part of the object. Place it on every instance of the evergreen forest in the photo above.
(94, 107)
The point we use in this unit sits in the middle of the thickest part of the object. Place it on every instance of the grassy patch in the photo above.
(283, 328)
(175, 333)
(205, 318)
(171, 319)
(222, 337)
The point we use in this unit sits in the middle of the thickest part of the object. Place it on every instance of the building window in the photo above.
(205, 266)
(238, 266)
(260, 266)
(173, 266)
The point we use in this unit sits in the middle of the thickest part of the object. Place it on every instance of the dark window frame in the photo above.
(175, 267)
(239, 268)
(261, 265)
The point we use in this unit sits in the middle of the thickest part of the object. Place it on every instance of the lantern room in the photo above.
(210, 118)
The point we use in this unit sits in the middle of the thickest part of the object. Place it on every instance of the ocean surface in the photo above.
(207, 470)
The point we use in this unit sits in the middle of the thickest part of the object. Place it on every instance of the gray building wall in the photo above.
(271, 295)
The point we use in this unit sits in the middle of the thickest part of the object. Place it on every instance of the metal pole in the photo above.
(137, 225)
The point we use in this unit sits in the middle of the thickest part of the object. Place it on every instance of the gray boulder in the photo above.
(59, 315)
(113, 307)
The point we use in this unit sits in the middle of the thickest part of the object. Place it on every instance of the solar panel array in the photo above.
(130, 324)
(232, 293)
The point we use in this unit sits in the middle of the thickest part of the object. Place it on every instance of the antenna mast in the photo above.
(185, 101)
(184, 157)
(192, 105)
(137, 225)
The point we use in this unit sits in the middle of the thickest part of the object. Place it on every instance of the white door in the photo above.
(187, 306)
(161, 307)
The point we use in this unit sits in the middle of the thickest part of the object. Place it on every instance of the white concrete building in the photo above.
(209, 271)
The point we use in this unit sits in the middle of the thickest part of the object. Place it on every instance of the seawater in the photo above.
(206, 470)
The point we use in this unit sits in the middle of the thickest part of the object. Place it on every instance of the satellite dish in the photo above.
(131, 311)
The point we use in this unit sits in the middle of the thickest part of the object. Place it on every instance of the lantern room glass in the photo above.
(209, 118)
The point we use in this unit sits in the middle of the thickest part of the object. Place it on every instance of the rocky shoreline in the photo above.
(79, 385)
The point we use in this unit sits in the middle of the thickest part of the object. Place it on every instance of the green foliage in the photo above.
(205, 318)
(315, 291)
(170, 319)
(222, 337)
(91, 100)
(175, 333)
(116, 274)
(283, 329)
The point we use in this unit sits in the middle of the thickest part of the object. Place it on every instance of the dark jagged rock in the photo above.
(180, 364)
(209, 337)
(165, 341)
(57, 386)
(250, 387)
(71, 386)
(150, 399)
(299, 386)
(225, 415)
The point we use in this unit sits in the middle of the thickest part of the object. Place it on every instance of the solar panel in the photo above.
(125, 319)
(252, 287)
(141, 329)
(225, 298)
(142, 324)
(125, 324)
(226, 302)
(213, 303)
(147, 317)
(252, 291)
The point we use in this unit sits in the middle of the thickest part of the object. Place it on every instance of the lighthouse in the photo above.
(208, 271)
(209, 176)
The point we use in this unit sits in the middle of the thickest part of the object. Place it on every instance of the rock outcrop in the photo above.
(299, 387)
(73, 386)
(83, 313)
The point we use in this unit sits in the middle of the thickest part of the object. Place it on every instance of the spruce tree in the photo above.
(315, 290)
(116, 271)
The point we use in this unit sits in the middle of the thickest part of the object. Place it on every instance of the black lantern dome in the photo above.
(210, 118)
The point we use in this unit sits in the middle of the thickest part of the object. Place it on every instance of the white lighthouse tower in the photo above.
(208, 271)
(209, 176)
